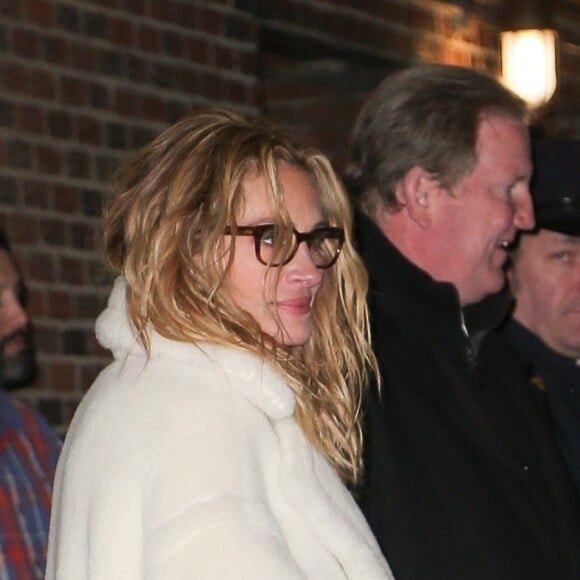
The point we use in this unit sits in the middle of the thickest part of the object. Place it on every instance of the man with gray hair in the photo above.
(455, 487)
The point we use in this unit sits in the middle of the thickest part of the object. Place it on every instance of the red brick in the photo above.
(196, 49)
(234, 91)
(25, 43)
(36, 302)
(60, 304)
(248, 62)
(73, 90)
(211, 87)
(152, 108)
(187, 80)
(39, 12)
(88, 130)
(212, 21)
(148, 38)
(13, 78)
(253, 95)
(72, 271)
(187, 14)
(137, 68)
(42, 84)
(66, 199)
(56, 50)
(121, 32)
(23, 229)
(83, 57)
(224, 57)
(79, 163)
(40, 267)
(11, 9)
(29, 119)
(37, 194)
(116, 4)
(160, 9)
(49, 160)
(63, 376)
(136, 7)
(127, 102)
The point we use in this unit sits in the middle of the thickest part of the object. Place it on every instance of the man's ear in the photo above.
(416, 192)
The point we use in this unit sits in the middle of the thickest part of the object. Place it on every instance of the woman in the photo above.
(215, 444)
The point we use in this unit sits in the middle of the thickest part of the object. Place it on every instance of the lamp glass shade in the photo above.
(529, 64)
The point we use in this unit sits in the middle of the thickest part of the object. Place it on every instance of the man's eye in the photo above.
(562, 256)
(509, 190)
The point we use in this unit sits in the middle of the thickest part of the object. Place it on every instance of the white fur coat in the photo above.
(190, 465)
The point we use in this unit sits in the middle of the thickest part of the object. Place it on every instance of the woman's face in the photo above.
(279, 298)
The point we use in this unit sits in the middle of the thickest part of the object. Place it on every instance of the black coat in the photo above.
(463, 480)
(557, 378)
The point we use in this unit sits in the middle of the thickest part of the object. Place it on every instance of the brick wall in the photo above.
(82, 83)
(319, 58)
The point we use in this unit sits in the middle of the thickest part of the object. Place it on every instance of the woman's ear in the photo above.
(415, 192)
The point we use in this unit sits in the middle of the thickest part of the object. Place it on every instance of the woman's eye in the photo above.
(268, 236)
(317, 243)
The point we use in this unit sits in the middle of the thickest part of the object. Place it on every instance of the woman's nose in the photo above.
(302, 267)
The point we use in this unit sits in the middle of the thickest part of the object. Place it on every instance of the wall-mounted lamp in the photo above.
(528, 50)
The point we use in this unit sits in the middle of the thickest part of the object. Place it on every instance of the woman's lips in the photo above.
(300, 305)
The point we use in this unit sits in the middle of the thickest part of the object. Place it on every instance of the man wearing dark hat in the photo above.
(544, 276)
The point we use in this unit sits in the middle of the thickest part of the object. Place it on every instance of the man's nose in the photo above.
(577, 274)
(16, 315)
(524, 218)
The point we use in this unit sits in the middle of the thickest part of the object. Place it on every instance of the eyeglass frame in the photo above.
(257, 232)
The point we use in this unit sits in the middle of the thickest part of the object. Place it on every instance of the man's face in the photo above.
(16, 351)
(545, 280)
(481, 214)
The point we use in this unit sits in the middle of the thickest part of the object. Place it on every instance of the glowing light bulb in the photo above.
(529, 64)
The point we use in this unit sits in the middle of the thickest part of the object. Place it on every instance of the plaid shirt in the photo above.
(28, 453)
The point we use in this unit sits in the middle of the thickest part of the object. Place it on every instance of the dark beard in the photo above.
(18, 369)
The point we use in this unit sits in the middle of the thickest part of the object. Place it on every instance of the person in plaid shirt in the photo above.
(29, 449)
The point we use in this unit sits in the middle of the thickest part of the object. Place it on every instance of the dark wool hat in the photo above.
(555, 184)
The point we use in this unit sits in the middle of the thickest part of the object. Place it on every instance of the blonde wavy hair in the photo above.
(164, 229)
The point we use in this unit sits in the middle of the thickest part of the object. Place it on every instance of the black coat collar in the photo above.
(535, 356)
(413, 296)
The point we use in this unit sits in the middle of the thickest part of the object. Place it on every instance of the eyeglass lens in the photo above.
(324, 245)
